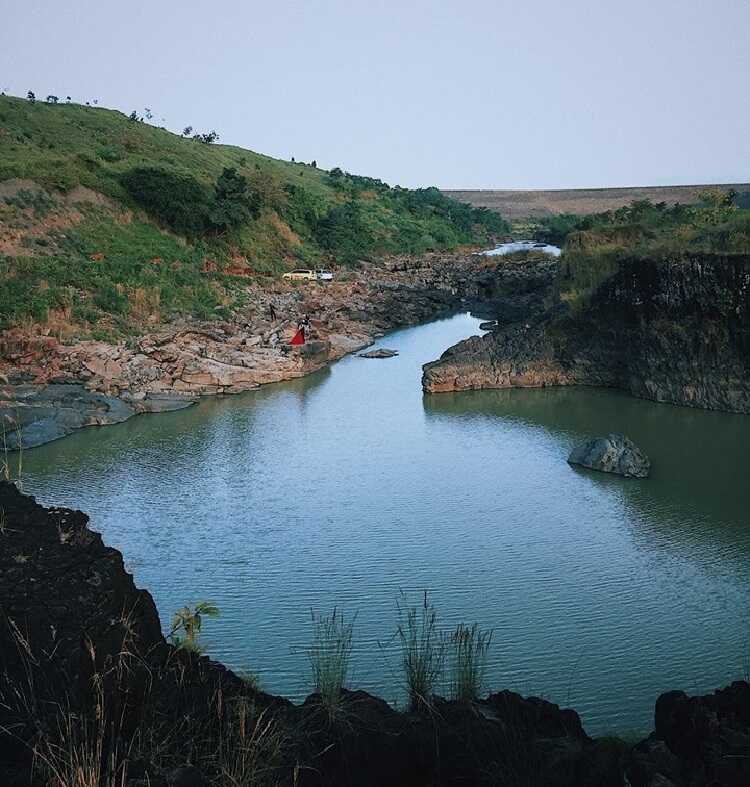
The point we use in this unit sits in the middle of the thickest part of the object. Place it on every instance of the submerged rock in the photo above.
(380, 353)
(614, 453)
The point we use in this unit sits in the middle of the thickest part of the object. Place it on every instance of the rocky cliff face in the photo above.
(671, 330)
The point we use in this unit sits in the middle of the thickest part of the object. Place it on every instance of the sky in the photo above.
(475, 94)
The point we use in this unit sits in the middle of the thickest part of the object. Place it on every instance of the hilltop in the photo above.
(109, 223)
(517, 203)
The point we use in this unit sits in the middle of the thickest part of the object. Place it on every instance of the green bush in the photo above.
(233, 203)
(174, 199)
(344, 232)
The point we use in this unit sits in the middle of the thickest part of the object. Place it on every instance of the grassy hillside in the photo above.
(108, 223)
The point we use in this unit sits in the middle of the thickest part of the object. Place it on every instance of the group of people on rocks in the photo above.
(303, 326)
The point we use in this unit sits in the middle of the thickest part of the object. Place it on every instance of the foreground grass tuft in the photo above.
(422, 651)
(469, 647)
(330, 656)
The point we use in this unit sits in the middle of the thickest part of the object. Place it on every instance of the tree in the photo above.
(314, 164)
(68, 99)
(187, 131)
(206, 139)
(233, 203)
(52, 99)
(31, 97)
(133, 116)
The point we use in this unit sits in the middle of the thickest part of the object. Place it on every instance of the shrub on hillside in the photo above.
(303, 209)
(345, 233)
(234, 203)
(174, 199)
(109, 299)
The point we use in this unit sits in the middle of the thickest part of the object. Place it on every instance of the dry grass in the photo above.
(121, 721)
(11, 470)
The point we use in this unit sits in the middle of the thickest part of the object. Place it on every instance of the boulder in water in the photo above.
(614, 453)
(380, 353)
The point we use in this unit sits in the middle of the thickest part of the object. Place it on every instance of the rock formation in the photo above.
(669, 329)
(614, 453)
(381, 352)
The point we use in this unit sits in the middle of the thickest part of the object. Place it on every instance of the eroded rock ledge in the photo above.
(72, 622)
(669, 329)
(53, 388)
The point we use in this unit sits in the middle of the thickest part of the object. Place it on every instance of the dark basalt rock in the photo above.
(669, 329)
(614, 453)
(697, 741)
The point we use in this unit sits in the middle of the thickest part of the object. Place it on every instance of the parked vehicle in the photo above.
(325, 275)
(300, 274)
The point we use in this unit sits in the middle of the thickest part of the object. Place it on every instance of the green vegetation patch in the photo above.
(192, 200)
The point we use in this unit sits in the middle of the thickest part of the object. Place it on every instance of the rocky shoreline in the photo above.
(76, 634)
(673, 330)
(51, 388)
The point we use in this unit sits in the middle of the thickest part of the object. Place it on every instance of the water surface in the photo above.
(350, 485)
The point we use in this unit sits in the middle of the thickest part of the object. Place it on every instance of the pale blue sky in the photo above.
(524, 94)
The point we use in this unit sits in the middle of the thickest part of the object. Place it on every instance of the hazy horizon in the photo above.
(497, 96)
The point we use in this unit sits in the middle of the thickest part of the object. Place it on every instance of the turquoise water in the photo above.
(350, 486)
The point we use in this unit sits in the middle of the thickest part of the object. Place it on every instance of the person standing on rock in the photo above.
(272, 312)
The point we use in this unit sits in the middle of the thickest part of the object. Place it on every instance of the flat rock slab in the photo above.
(380, 353)
(34, 415)
(614, 453)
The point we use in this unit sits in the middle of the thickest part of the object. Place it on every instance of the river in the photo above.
(350, 485)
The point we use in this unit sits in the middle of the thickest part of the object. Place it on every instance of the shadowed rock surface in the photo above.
(614, 453)
(669, 329)
(697, 741)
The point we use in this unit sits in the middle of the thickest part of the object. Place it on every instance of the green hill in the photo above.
(113, 223)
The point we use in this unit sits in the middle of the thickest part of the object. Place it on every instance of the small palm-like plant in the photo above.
(187, 623)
